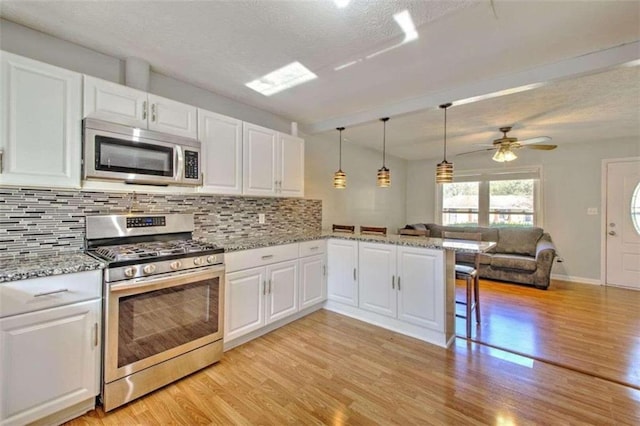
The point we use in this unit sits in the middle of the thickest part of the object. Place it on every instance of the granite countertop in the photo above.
(246, 243)
(25, 267)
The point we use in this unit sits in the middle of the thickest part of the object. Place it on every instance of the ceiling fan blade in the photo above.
(543, 147)
(534, 140)
(478, 150)
(484, 144)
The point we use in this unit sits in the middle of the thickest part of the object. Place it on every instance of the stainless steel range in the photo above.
(164, 298)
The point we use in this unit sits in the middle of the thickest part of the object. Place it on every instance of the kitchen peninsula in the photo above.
(402, 283)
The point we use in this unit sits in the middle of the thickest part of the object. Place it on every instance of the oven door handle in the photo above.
(141, 285)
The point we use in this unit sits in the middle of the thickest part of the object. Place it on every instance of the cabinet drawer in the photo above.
(41, 293)
(309, 248)
(244, 259)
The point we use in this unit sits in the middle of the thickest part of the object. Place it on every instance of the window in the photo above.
(492, 198)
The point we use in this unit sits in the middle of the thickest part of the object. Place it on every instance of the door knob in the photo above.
(612, 233)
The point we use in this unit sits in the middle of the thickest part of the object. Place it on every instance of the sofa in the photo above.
(521, 255)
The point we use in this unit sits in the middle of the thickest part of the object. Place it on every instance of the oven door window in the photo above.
(154, 322)
(117, 155)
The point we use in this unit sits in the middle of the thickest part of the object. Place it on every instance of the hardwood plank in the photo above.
(329, 369)
(592, 329)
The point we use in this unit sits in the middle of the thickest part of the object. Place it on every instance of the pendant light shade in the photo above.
(444, 170)
(384, 177)
(340, 177)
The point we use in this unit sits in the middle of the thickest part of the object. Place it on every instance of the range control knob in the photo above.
(130, 272)
(212, 259)
(197, 261)
(175, 265)
(149, 269)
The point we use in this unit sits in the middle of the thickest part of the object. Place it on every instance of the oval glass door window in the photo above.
(635, 208)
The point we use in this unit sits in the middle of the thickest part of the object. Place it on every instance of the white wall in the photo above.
(361, 202)
(571, 184)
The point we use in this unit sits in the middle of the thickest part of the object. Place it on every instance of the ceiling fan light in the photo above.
(340, 180)
(384, 178)
(509, 155)
(499, 156)
(444, 172)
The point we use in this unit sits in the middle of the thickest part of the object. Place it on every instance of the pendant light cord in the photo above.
(384, 142)
(445, 134)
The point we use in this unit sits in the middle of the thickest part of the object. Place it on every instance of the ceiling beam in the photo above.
(625, 54)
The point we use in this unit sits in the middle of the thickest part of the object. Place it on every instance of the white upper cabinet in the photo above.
(221, 139)
(116, 103)
(290, 166)
(259, 165)
(273, 162)
(40, 124)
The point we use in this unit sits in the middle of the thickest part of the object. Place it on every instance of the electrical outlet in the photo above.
(261, 218)
(592, 211)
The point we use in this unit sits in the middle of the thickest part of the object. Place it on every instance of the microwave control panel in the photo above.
(191, 165)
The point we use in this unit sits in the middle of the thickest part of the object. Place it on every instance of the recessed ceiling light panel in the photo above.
(281, 79)
(340, 4)
(406, 23)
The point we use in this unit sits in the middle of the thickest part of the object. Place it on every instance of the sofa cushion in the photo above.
(469, 258)
(518, 240)
(513, 261)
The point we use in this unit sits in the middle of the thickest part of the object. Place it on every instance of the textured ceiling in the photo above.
(221, 45)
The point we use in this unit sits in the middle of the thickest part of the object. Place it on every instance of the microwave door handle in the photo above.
(179, 163)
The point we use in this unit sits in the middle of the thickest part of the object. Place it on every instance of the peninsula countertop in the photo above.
(246, 243)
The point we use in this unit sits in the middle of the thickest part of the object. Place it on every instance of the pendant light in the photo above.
(340, 177)
(384, 178)
(444, 170)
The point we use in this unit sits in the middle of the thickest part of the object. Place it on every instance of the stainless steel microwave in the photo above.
(131, 155)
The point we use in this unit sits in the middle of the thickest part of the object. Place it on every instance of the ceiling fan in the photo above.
(505, 146)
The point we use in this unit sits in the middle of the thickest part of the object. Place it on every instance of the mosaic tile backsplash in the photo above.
(37, 221)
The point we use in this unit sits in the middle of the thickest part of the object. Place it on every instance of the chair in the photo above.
(470, 275)
(373, 230)
(414, 232)
(349, 229)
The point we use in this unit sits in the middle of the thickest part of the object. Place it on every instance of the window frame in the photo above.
(484, 176)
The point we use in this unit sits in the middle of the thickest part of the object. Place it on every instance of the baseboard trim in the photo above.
(574, 279)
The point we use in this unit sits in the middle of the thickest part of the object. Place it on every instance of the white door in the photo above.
(244, 302)
(623, 224)
(290, 166)
(259, 160)
(377, 282)
(49, 361)
(221, 139)
(40, 127)
(172, 117)
(342, 276)
(420, 287)
(313, 287)
(114, 102)
(282, 290)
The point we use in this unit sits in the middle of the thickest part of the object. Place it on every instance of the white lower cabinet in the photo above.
(259, 296)
(342, 280)
(313, 283)
(398, 287)
(50, 358)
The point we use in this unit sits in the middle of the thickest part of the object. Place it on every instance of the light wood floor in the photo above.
(330, 369)
(593, 329)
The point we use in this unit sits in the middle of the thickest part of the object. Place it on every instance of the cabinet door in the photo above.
(421, 287)
(377, 288)
(221, 139)
(50, 360)
(290, 166)
(342, 278)
(313, 286)
(114, 102)
(244, 307)
(282, 290)
(40, 127)
(172, 117)
(259, 160)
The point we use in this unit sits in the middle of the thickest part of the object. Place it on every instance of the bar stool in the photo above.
(470, 275)
(350, 229)
(373, 230)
